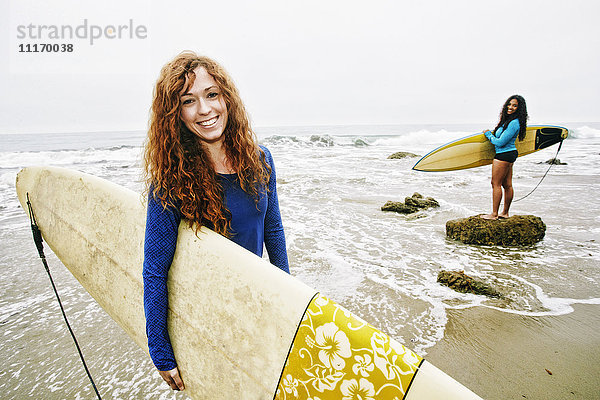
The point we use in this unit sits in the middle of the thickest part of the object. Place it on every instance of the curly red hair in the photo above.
(178, 168)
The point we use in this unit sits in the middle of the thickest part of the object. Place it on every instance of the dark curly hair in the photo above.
(520, 114)
(178, 168)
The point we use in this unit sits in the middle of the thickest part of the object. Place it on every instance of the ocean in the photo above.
(332, 182)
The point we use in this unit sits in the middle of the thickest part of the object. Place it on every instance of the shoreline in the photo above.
(508, 356)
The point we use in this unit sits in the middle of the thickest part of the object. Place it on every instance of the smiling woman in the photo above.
(204, 111)
(512, 125)
(203, 165)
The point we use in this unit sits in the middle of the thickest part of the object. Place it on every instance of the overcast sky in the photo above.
(306, 62)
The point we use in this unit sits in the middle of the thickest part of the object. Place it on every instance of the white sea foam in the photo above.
(421, 139)
(7, 181)
(584, 132)
(10, 309)
(124, 155)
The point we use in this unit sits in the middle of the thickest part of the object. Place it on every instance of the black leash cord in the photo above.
(37, 238)
(548, 170)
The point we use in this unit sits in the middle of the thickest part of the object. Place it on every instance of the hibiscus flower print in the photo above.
(361, 390)
(291, 385)
(334, 345)
(408, 357)
(364, 365)
(323, 378)
(321, 301)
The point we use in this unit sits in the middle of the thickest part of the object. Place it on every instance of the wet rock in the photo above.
(553, 161)
(411, 204)
(463, 283)
(399, 207)
(402, 154)
(417, 200)
(518, 230)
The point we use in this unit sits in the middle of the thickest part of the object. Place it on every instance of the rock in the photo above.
(411, 204)
(402, 154)
(399, 207)
(554, 161)
(518, 230)
(461, 282)
(418, 201)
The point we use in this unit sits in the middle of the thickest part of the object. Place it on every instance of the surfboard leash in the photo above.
(548, 170)
(39, 243)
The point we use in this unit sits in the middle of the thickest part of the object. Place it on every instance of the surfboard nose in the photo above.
(546, 137)
(24, 183)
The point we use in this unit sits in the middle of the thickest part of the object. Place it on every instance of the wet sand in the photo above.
(507, 356)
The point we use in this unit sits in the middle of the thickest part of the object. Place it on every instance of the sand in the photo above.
(507, 356)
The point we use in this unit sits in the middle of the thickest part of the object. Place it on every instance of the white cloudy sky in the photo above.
(311, 62)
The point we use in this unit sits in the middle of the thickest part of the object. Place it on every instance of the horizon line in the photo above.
(292, 126)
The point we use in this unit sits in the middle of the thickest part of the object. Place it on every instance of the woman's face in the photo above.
(203, 108)
(512, 106)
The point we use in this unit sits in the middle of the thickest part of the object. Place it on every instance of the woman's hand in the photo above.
(173, 379)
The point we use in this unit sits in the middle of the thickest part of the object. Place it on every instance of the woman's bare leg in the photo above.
(499, 171)
(508, 192)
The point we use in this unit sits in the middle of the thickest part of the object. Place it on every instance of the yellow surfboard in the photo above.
(240, 327)
(476, 150)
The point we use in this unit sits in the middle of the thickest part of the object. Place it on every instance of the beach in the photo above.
(508, 356)
(332, 182)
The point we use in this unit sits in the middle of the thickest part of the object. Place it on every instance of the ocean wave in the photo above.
(423, 137)
(321, 140)
(17, 160)
(116, 148)
(415, 139)
(7, 179)
(584, 132)
(71, 149)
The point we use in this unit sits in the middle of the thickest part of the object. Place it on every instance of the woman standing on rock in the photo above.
(202, 165)
(512, 124)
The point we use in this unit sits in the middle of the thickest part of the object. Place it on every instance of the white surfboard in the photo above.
(240, 327)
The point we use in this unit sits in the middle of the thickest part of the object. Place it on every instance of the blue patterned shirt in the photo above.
(252, 225)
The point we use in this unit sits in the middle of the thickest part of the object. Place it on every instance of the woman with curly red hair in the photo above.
(203, 165)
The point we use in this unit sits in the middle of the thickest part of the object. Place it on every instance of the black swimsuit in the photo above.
(508, 156)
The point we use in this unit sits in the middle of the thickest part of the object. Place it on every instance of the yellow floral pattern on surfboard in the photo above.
(336, 355)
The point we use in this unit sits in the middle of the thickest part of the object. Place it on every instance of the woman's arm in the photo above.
(507, 135)
(159, 247)
(274, 235)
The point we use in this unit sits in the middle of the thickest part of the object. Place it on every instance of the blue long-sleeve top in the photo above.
(504, 139)
(252, 225)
